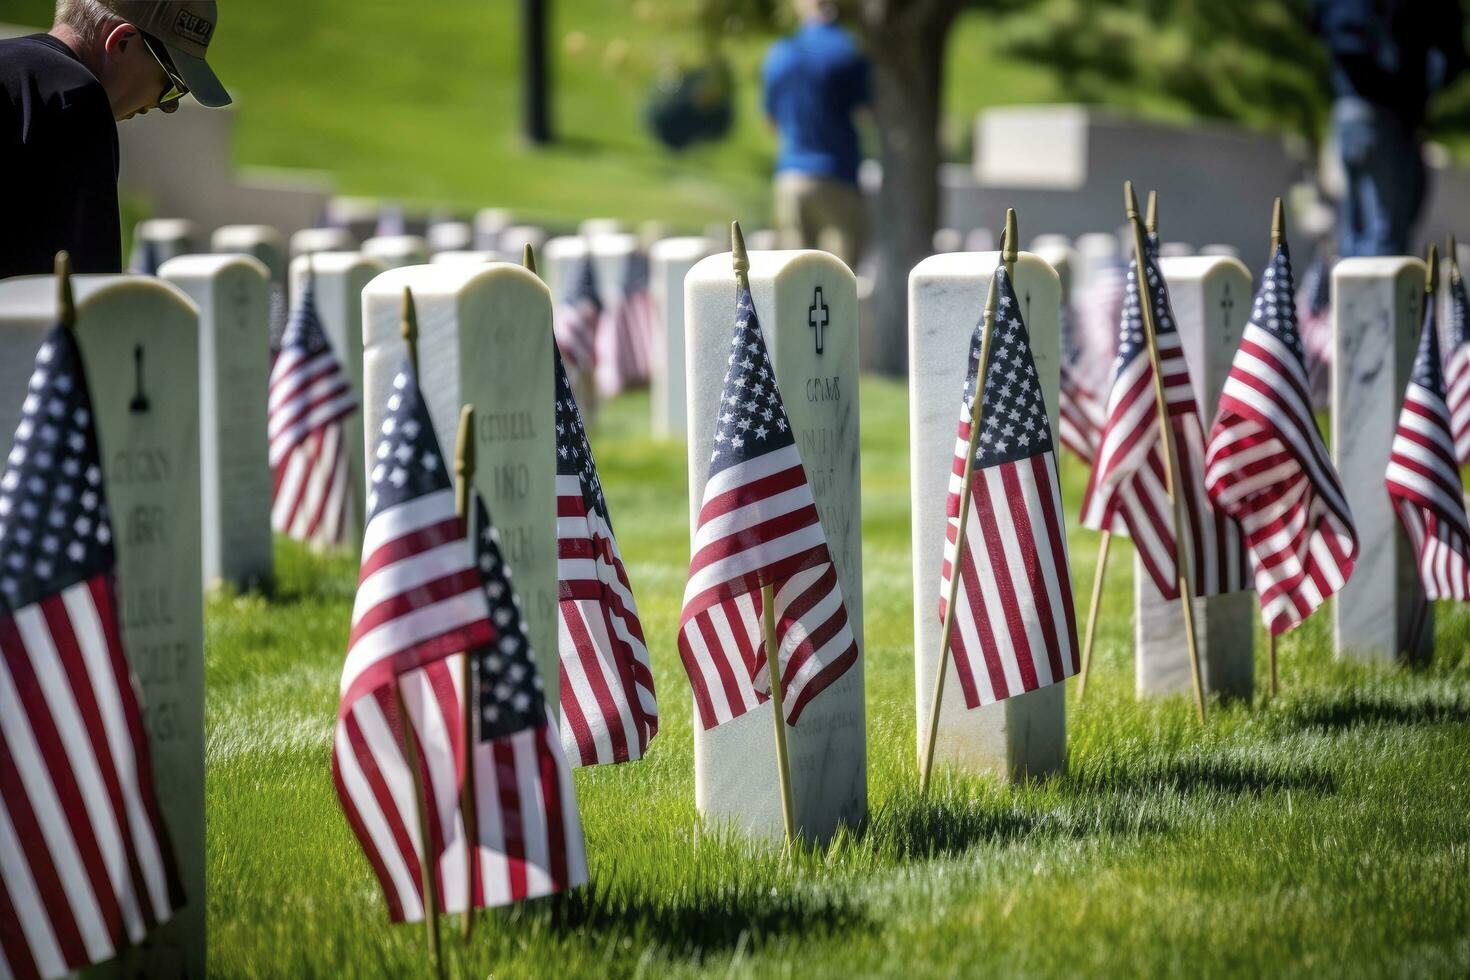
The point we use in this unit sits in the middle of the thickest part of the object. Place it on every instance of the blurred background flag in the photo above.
(1081, 411)
(86, 866)
(758, 526)
(577, 316)
(419, 603)
(1267, 467)
(310, 397)
(1015, 628)
(607, 699)
(625, 333)
(1457, 368)
(1314, 314)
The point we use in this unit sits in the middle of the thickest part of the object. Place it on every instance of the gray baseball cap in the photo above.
(184, 28)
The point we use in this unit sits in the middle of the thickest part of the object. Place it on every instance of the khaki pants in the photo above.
(815, 212)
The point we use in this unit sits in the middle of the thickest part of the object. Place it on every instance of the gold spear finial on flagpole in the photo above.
(1431, 270)
(739, 257)
(1452, 255)
(409, 328)
(1278, 225)
(66, 303)
(1009, 245)
(528, 258)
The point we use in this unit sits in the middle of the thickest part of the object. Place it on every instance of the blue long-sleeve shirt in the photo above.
(813, 82)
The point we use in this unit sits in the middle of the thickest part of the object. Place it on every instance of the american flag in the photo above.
(1097, 334)
(310, 397)
(1126, 494)
(1457, 370)
(1314, 315)
(86, 867)
(758, 526)
(577, 316)
(1424, 479)
(1266, 465)
(1081, 411)
(607, 701)
(145, 260)
(625, 334)
(420, 602)
(1014, 627)
(529, 834)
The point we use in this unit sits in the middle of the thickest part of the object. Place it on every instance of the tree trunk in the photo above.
(906, 41)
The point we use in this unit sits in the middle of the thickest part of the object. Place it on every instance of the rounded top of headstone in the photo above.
(1098, 245)
(466, 255)
(614, 243)
(600, 226)
(1201, 266)
(164, 228)
(233, 238)
(34, 297)
(449, 236)
(968, 265)
(209, 266)
(1050, 241)
(493, 219)
(516, 236)
(767, 264)
(1378, 267)
(453, 279)
(322, 240)
(680, 249)
(563, 247)
(396, 246)
(1220, 249)
(335, 263)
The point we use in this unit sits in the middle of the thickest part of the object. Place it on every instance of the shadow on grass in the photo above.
(732, 913)
(1346, 708)
(1188, 774)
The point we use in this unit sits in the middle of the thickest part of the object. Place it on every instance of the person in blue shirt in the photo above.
(815, 82)
(1388, 59)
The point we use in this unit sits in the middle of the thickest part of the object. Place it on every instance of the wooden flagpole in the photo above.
(1166, 433)
(1008, 256)
(410, 331)
(464, 475)
(1421, 610)
(1152, 225)
(1278, 235)
(740, 259)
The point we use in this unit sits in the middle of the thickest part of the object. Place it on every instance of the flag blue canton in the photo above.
(1318, 284)
(752, 420)
(303, 328)
(635, 273)
(1130, 331)
(510, 697)
(573, 451)
(1459, 313)
(409, 463)
(55, 529)
(581, 286)
(1013, 421)
(1428, 372)
(1275, 307)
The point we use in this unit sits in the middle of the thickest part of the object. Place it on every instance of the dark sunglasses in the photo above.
(177, 87)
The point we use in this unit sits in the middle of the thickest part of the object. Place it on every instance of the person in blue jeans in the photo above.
(1388, 59)
(814, 82)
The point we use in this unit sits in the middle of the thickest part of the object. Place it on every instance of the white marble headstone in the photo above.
(610, 254)
(340, 280)
(599, 226)
(397, 250)
(471, 256)
(309, 240)
(485, 340)
(139, 337)
(735, 775)
(168, 237)
(1025, 735)
(232, 293)
(261, 241)
(669, 262)
(517, 237)
(1376, 308)
(1212, 299)
(450, 236)
(489, 224)
(555, 261)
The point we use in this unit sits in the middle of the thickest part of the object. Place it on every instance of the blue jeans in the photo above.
(1385, 179)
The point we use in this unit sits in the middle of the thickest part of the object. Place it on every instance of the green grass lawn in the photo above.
(1327, 833)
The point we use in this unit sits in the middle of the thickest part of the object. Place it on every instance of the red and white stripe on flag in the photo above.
(1457, 369)
(1267, 467)
(1424, 477)
(575, 328)
(624, 344)
(609, 712)
(86, 867)
(1081, 415)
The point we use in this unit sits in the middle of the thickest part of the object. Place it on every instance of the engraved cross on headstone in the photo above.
(817, 317)
(139, 404)
(1227, 304)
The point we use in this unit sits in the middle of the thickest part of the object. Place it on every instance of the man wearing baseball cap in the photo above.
(61, 97)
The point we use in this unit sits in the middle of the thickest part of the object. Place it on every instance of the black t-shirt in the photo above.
(58, 161)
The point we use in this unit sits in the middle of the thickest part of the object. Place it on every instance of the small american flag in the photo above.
(1424, 479)
(310, 397)
(1097, 322)
(529, 835)
(86, 867)
(625, 334)
(577, 316)
(758, 526)
(419, 603)
(1081, 411)
(607, 701)
(1314, 314)
(1126, 494)
(1266, 465)
(1457, 370)
(1014, 627)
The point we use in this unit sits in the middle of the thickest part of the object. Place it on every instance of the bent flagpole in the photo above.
(464, 476)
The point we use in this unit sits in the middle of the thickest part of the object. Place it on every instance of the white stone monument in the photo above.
(261, 241)
(485, 340)
(555, 260)
(1377, 305)
(1025, 735)
(397, 250)
(1212, 299)
(807, 305)
(165, 238)
(610, 254)
(340, 280)
(600, 226)
(489, 224)
(232, 293)
(450, 236)
(669, 262)
(468, 255)
(517, 237)
(139, 340)
(309, 240)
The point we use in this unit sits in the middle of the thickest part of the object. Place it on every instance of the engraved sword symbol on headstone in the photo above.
(817, 316)
(139, 403)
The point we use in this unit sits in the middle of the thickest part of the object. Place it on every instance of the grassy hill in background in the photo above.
(420, 101)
